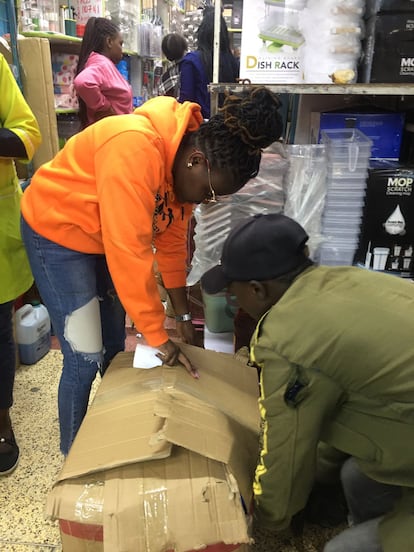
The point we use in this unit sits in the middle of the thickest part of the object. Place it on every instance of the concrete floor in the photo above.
(23, 527)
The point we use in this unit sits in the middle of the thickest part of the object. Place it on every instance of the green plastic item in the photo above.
(219, 312)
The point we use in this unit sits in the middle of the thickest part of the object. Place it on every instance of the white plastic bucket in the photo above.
(32, 332)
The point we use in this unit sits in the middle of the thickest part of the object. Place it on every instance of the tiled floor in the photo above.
(22, 493)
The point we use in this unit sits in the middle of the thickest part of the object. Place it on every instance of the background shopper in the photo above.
(116, 191)
(173, 46)
(19, 138)
(333, 346)
(196, 68)
(101, 89)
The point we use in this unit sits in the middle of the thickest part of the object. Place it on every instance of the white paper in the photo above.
(145, 357)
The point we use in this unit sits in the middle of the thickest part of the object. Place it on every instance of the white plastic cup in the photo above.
(380, 257)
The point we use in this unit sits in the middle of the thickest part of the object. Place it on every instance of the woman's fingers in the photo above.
(171, 354)
(187, 365)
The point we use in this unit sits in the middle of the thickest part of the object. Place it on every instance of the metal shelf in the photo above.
(371, 89)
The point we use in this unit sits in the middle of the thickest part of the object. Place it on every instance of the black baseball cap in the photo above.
(262, 247)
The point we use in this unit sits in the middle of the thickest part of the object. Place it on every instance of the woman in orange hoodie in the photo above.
(118, 196)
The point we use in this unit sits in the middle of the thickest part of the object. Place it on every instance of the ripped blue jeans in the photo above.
(86, 315)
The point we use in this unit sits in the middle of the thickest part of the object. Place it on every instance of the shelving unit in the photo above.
(397, 89)
(299, 93)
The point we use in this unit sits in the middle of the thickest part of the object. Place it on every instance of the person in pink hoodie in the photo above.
(100, 87)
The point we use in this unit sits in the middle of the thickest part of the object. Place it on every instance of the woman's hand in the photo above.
(171, 354)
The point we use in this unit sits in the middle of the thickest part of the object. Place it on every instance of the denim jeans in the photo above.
(368, 501)
(86, 316)
(7, 355)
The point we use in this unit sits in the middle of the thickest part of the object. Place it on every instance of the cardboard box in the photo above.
(162, 461)
(385, 129)
(37, 80)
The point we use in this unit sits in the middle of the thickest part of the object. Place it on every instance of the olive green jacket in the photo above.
(337, 365)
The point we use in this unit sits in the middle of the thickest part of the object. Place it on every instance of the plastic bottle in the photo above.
(32, 332)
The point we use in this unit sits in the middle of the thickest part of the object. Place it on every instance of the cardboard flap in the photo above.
(137, 414)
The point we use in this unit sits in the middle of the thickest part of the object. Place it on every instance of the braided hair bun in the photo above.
(253, 117)
(234, 137)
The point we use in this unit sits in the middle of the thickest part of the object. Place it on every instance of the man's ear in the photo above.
(258, 289)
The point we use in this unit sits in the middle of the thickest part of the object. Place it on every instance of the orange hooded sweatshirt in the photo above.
(110, 191)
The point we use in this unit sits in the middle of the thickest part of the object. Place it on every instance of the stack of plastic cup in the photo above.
(348, 152)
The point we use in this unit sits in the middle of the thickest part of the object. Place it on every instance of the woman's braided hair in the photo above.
(235, 136)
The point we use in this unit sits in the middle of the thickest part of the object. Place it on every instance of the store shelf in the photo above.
(397, 89)
(65, 111)
(53, 37)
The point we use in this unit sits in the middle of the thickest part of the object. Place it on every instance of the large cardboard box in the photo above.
(37, 80)
(162, 461)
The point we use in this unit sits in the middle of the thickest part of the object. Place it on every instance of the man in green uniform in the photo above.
(334, 349)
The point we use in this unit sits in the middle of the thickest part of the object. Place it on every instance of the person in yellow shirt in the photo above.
(19, 138)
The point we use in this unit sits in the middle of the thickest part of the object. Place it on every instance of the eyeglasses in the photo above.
(212, 198)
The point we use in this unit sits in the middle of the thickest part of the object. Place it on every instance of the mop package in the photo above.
(387, 230)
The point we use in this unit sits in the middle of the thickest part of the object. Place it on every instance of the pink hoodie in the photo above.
(102, 87)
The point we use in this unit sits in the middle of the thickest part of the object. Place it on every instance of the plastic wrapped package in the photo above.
(305, 189)
(346, 7)
(125, 14)
(336, 47)
(263, 194)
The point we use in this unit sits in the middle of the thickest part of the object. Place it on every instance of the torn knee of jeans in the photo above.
(83, 331)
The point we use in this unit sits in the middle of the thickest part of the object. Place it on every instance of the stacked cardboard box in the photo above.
(162, 461)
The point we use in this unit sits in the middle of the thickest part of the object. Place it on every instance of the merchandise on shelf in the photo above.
(262, 194)
(149, 39)
(192, 21)
(387, 230)
(348, 152)
(125, 14)
(271, 41)
(39, 15)
(85, 9)
(305, 189)
(389, 48)
(64, 69)
(68, 124)
(332, 53)
(384, 128)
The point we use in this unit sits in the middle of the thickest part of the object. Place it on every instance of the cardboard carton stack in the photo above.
(162, 461)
